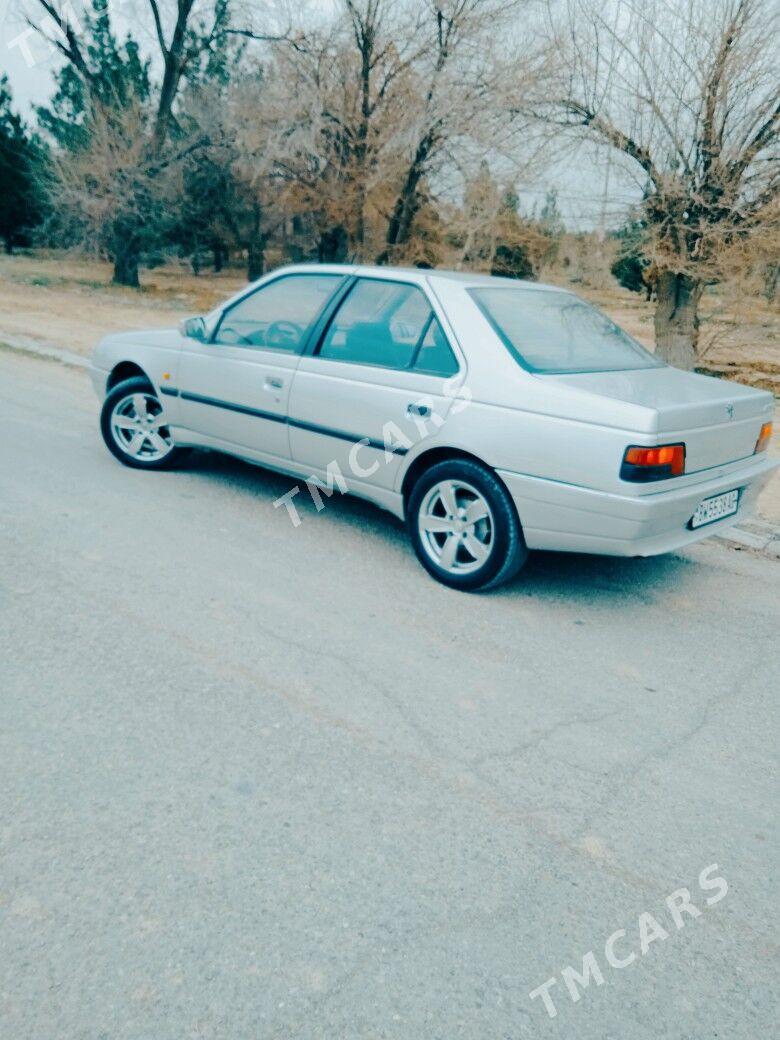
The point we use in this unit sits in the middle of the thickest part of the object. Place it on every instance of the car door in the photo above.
(376, 376)
(235, 388)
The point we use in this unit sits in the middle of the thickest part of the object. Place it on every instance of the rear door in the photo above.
(236, 387)
(374, 381)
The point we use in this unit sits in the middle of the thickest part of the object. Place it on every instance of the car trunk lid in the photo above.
(719, 421)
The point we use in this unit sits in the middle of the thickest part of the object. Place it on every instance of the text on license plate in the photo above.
(715, 508)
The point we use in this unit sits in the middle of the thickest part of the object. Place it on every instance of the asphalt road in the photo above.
(266, 782)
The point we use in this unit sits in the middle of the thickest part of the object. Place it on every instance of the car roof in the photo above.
(466, 278)
(478, 278)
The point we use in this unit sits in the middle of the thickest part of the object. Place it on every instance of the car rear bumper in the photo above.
(565, 517)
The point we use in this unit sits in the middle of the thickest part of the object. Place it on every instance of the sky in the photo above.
(594, 189)
(30, 84)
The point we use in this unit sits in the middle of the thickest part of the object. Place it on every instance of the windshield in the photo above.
(557, 332)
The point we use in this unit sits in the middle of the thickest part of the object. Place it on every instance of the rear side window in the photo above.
(379, 323)
(435, 356)
(278, 315)
(548, 331)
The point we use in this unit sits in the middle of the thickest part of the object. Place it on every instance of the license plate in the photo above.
(715, 508)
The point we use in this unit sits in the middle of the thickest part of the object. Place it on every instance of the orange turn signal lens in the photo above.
(763, 438)
(642, 464)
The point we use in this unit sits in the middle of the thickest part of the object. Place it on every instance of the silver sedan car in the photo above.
(493, 416)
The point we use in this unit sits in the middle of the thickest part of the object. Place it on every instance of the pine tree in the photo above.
(118, 77)
(20, 159)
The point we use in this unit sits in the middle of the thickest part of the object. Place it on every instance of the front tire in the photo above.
(133, 425)
(464, 526)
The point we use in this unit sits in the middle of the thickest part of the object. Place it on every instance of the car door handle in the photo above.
(417, 409)
(272, 383)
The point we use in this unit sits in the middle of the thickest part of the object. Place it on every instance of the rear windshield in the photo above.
(557, 332)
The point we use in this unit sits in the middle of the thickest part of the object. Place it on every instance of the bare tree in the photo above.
(457, 98)
(688, 92)
(259, 123)
(385, 55)
(381, 98)
(180, 42)
(344, 80)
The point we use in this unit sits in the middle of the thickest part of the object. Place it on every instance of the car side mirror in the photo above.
(193, 328)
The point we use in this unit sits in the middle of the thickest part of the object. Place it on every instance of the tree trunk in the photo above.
(333, 245)
(677, 319)
(127, 255)
(256, 257)
(407, 204)
(256, 247)
(771, 281)
(126, 267)
(405, 209)
(360, 218)
(9, 244)
(218, 251)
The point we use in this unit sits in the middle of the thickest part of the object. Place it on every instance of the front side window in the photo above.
(278, 315)
(550, 331)
(379, 323)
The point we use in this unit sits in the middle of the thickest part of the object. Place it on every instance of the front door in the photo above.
(235, 389)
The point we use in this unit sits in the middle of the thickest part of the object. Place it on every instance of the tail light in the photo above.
(763, 438)
(644, 464)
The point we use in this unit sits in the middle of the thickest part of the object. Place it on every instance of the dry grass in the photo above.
(70, 302)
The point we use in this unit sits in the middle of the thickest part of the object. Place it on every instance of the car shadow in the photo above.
(567, 574)
(546, 575)
(258, 481)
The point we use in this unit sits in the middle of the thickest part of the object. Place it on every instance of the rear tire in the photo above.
(464, 526)
(132, 426)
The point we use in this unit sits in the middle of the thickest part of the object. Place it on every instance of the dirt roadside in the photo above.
(71, 303)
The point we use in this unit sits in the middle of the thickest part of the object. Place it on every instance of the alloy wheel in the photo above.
(456, 527)
(139, 427)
